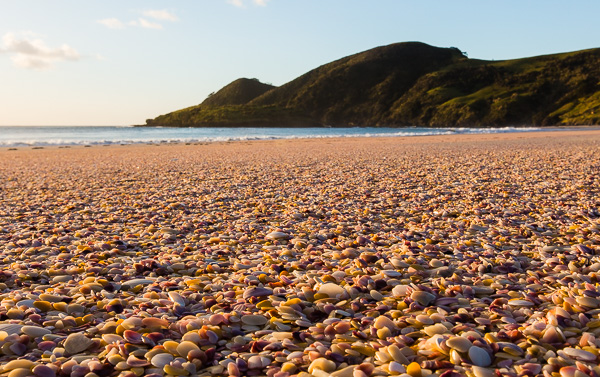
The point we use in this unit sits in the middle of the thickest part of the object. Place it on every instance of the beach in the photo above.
(414, 256)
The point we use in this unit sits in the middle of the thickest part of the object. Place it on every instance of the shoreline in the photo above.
(565, 131)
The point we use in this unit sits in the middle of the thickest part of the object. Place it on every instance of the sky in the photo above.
(120, 62)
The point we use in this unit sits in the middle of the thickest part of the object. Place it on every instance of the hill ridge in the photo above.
(412, 84)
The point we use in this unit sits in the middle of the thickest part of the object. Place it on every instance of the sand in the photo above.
(440, 255)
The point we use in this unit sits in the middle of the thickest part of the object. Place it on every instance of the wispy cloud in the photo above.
(112, 23)
(162, 14)
(242, 3)
(30, 52)
(142, 22)
(155, 14)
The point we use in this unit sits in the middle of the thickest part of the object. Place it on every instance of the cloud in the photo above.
(242, 3)
(112, 23)
(29, 51)
(163, 15)
(149, 25)
(156, 14)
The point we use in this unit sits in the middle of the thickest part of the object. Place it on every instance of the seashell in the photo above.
(579, 354)
(571, 371)
(155, 323)
(19, 372)
(10, 328)
(155, 336)
(18, 348)
(161, 359)
(254, 320)
(18, 364)
(254, 362)
(520, 303)
(216, 319)
(553, 334)
(134, 362)
(400, 290)
(423, 298)
(185, 347)
(384, 322)
(171, 347)
(588, 302)
(323, 364)
(192, 336)
(134, 283)
(395, 368)
(43, 371)
(257, 292)
(46, 345)
(35, 331)
(397, 354)
(391, 273)
(175, 370)
(76, 343)
(438, 328)
(132, 323)
(50, 297)
(414, 370)
(43, 305)
(376, 295)
(132, 337)
(27, 303)
(112, 338)
(483, 372)
(424, 319)
(277, 236)
(176, 298)
(459, 343)
(533, 368)
(332, 290)
(233, 370)
(479, 356)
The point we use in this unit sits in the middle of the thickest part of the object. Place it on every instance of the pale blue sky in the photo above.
(118, 62)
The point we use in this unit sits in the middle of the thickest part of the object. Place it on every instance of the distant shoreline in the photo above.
(565, 131)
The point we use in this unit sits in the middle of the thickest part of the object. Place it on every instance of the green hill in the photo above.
(412, 84)
(239, 92)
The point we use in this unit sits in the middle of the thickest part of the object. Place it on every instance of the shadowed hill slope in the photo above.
(412, 84)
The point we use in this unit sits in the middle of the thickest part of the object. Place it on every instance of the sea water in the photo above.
(23, 136)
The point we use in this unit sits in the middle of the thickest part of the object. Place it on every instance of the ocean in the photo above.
(26, 136)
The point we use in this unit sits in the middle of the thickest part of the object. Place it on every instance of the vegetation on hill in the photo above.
(239, 92)
(412, 84)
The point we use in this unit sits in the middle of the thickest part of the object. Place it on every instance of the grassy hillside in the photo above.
(413, 84)
(239, 92)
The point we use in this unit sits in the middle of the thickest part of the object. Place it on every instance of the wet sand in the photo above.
(438, 255)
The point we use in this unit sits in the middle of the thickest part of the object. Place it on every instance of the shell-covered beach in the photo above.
(447, 256)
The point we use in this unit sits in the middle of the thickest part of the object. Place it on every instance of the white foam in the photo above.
(72, 136)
